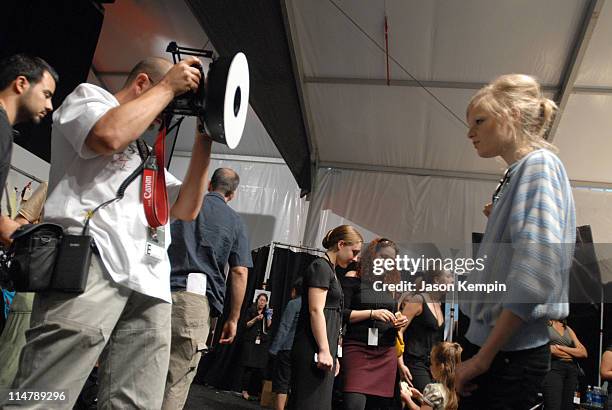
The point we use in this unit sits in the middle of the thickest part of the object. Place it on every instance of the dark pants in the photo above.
(559, 385)
(512, 382)
(248, 381)
(360, 401)
(419, 369)
(282, 372)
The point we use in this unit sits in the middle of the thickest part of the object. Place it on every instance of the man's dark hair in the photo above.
(30, 67)
(225, 181)
(154, 67)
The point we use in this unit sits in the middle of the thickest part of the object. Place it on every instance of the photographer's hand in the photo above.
(182, 77)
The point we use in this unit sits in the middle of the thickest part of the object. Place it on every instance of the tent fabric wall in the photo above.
(268, 199)
(423, 209)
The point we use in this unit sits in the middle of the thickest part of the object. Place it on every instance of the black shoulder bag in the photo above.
(43, 257)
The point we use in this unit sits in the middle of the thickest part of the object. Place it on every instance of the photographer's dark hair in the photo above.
(225, 181)
(154, 67)
(30, 67)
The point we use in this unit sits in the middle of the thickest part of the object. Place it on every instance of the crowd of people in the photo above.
(144, 317)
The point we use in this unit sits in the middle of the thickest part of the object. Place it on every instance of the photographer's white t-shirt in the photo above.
(80, 180)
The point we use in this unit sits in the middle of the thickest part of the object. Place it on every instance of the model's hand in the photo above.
(229, 332)
(259, 317)
(337, 367)
(487, 209)
(416, 394)
(324, 360)
(405, 373)
(407, 400)
(383, 315)
(182, 77)
(400, 321)
(466, 372)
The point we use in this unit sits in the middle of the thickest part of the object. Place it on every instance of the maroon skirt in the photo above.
(369, 369)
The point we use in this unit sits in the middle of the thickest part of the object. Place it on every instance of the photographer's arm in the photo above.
(191, 195)
(121, 125)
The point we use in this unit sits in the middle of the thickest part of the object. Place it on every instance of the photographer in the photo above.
(123, 316)
(27, 85)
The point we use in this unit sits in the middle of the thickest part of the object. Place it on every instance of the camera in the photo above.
(222, 98)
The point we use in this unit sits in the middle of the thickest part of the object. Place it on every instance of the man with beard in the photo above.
(27, 85)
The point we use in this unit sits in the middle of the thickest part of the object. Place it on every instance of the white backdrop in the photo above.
(409, 208)
(268, 199)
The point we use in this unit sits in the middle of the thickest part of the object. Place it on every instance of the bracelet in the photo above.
(370, 314)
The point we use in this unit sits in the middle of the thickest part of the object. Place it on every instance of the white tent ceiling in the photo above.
(453, 47)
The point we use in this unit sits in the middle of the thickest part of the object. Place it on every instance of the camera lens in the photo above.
(237, 98)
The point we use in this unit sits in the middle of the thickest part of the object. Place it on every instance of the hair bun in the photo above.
(325, 242)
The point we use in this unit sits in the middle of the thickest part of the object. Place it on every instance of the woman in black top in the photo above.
(314, 360)
(606, 372)
(370, 358)
(560, 383)
(425, 330)
(255, 346)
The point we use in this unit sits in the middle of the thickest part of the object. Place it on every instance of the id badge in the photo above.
(257, 340)
(339, 351)
(373, 336)
(156, 241)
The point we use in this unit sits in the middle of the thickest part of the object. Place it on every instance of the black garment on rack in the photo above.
(218, 367)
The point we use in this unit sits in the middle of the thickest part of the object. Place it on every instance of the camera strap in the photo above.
(153, 192)
(156, 205)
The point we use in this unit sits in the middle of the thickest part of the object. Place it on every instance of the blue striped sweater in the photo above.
(529, 245)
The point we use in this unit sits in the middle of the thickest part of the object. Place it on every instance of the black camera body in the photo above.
(222, 98)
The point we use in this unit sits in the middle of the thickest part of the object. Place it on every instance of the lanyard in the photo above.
(153, 193)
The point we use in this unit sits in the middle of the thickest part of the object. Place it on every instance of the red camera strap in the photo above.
(153, 193)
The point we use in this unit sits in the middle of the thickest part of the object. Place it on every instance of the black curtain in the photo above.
(221, 367)
(286, 267)
(65, 34)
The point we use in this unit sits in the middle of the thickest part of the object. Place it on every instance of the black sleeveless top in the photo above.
(421, 335)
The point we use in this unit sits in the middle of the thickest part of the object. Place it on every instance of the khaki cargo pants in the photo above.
(190, 326)
(127, 331)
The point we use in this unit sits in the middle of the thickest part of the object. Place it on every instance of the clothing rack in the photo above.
(287, 246)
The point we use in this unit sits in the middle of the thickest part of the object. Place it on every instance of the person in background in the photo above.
(606, 372)
(528, 243)
(27, 85)
(198, 254)
(314, 361)
(254, 356)
(560, 383)
(13, 337)
(441, 394)
(281, 346)
(425, 329)
(369, 353)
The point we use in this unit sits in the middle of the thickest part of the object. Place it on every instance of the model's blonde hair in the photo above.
(521, 93)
